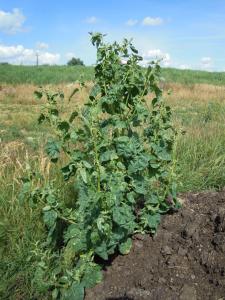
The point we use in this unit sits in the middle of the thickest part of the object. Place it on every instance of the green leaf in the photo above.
(83, 175)
(78, 244)
(130, 197)
(68, 171)
(38, 94)
(125, 247)
(140, 163)
(64, 126)
(41, 118)
(54, 112)
(153, 220)
(163, 155)
(50, 217)
(73, 116)
(133, 49)
(61, 95)
(124, 216)
(73, 93)
(86, 164)
(102, 251)
(123, 139)
(53, 150)
(75, 292)
(94, 92)
(74, 136)
(55, 293)
(92, 276)
(153, 199)
(108, 155)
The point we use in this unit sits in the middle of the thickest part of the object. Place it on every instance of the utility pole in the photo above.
(37, 59)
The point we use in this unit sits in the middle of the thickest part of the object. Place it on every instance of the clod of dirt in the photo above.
(185, 260)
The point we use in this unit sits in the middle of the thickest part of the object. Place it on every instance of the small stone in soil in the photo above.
(188, 293)
(166, 250)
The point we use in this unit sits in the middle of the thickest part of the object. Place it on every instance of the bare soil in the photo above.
(185, 260)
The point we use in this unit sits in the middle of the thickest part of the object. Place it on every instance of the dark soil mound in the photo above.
(185, 260)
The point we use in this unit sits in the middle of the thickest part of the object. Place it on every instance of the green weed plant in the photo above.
(119, 150)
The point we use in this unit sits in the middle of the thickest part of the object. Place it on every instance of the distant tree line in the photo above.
(72, 62)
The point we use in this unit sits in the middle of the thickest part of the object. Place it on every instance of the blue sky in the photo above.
(185, 34)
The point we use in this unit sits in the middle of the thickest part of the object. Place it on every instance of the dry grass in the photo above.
(199, 109)
(195, 93)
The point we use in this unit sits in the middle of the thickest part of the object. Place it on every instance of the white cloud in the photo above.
(42, 45)
(206, 62)
(157, 54)
(11, 22)
(69, 55)
(20, 55)
(49, 58)
(91, 20)
(184, 67)
(149, 21)
(131, 22)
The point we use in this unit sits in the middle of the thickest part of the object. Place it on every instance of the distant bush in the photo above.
(75, 62)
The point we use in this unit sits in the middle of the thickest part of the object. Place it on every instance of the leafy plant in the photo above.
(119, 148)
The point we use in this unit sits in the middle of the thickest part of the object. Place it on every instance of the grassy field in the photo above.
(198, 111)
(43, 74)
(63, 74)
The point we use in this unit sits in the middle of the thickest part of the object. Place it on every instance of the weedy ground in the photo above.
(198, 110)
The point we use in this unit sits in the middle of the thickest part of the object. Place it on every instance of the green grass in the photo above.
(43, 74)
(63, 74)
(200, 151)
(193, 76)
